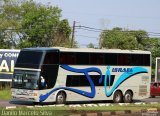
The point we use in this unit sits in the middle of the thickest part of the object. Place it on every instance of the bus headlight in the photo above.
(33, 94)
(12, 92)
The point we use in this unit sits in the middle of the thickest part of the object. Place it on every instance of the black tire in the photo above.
(118, 97)
(128, 97)
(152, 96)
(37, 103)
(61, 98)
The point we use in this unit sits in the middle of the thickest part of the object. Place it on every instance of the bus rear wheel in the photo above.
(118, 97)
(61, 98)
(128, 97)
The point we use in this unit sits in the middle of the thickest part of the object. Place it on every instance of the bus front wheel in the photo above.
(61, 98)
(118, 97)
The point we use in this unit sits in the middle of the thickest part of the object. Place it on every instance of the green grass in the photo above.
(118, 108)
(131, 107)
(22, 111)
(5, 94)
(66, 110)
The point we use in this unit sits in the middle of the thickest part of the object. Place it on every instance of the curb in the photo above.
(10, 107)
(107, 113)
(86, 105)
(147, 112)
(117, 113)
(151, 110)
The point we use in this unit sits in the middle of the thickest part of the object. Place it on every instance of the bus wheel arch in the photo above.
(61, 97)
(128, 96)
(118, 96)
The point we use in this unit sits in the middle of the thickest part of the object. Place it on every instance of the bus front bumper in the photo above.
(22, 98)
(30, 96)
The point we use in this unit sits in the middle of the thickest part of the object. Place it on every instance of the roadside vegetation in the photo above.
(66, 110)
(5, 91)
(27, 23)
(5, 94)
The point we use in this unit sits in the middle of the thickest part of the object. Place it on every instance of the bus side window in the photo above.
(96, 59)
(123, 59)
(137, 60)
(51, 58)
(67, 58)
(80, 58)
(111, 59)
(146, 60)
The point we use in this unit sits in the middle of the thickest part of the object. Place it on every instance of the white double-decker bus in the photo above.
(81, 74)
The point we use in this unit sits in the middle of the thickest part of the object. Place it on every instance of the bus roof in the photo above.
(45, 49)
(41, 49)
(102, 50)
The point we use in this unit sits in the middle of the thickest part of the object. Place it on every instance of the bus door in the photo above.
(49, 69)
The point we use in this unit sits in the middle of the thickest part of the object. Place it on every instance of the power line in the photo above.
(88, 30)
(91, 29)
(81, 26)
(100, 30)
(87, 36)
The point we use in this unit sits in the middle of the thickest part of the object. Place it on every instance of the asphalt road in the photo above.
(156, 99)
(4, 103)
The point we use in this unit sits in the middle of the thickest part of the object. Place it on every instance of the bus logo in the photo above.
(128, 70)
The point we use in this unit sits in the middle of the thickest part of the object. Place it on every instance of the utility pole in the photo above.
(100, 43)
(73, 32)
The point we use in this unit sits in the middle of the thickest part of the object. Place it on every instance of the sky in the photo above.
(107, 14)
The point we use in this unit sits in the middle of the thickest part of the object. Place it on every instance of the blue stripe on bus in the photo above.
(91, 94)
(81, 92)
(122, 78)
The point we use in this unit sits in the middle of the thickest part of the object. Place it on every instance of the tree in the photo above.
(2, 45)
(9, 22)
(153, 45)
(117, 38)
(90, 45)
(42, 25)
(29, 24)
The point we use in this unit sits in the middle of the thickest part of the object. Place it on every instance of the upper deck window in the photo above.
(90, 58)
(29, 59)
(51, 58)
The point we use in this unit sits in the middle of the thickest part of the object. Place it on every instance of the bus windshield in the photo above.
(29, 59)
(25, 80)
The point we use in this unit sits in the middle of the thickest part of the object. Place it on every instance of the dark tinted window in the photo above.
(51, 58)
(133, 60)
(68, 58)
(146, 60)
(82, 58)
(137, 59)
(123, 59)
(81, 80)
(111, 59)
(49, 73)
(29, 59)
(79, 58)
(96, 59)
